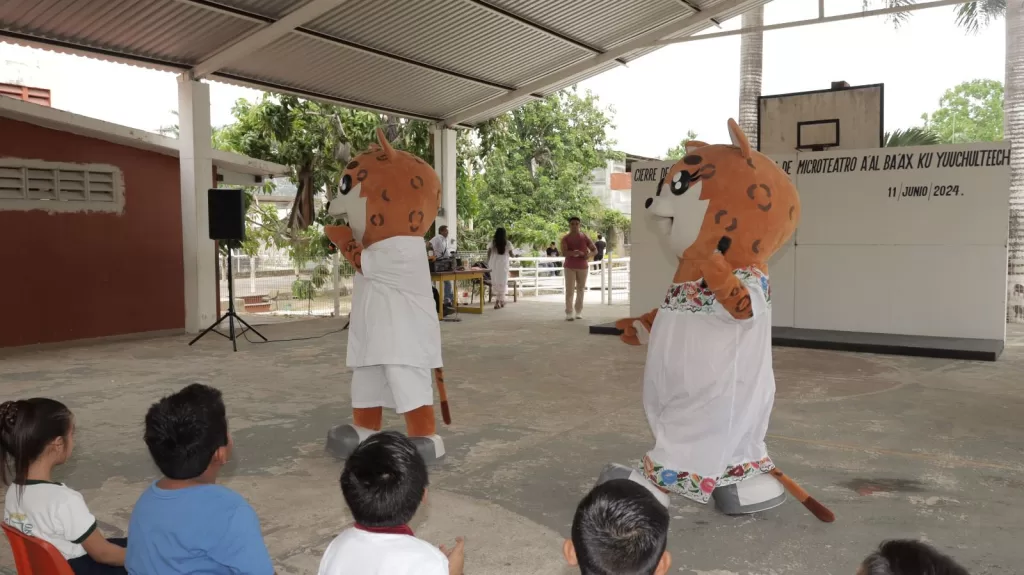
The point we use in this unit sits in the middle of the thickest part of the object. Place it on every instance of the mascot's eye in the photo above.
(346, 184)
(679, 183)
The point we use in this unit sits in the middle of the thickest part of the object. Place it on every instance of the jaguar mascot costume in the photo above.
(389, 199)
(708, 382)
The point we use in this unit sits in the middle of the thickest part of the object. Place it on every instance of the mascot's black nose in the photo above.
(328, 207)
(648, 203)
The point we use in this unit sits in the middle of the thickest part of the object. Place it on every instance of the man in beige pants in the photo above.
(577, 248)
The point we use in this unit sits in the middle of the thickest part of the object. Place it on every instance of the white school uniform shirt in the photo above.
(357, 552)
(52, 512)
(709, 387)
(394, 318)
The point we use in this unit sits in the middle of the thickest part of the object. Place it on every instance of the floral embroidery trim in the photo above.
(698, 488)
(695, 297)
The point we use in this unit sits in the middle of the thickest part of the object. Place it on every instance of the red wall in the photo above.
(82, 275)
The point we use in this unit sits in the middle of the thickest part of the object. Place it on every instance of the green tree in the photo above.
(537, 163)
(610, 222)
(969, 112)
(915, 136)
(315, 140)
(679, 151)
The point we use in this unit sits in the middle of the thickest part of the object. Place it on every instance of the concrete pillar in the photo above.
(445, 162)
(196, 165)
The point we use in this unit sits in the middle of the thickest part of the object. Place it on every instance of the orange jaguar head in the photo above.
(730, 191)
(386, 193)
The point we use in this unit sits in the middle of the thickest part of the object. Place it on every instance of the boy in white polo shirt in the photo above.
(384, 482)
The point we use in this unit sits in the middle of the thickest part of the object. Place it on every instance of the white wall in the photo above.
(864, 261)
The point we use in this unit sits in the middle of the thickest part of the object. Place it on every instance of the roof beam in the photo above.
(538, 27)
(644, 40)
(821, 19)
(253, 17)
(696, 8)
(262, 37)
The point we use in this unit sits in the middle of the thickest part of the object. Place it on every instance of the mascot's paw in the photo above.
(343, 439)
(758, 493)
(616, 471)
(634, 332)
(430, 447)
(341, 236)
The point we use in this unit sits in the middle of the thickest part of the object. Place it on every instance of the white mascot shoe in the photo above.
(759, 493)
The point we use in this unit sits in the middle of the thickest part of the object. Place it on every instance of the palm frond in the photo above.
(915, 136)
(973, 16)
(897, 18)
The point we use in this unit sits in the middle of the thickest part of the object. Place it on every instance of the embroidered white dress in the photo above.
(709, 389)
(499, 266)
(394, 338)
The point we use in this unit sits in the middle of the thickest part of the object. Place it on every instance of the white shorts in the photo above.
(399, 387)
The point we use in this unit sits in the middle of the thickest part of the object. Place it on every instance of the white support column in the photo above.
(196, 161)
(445, 162)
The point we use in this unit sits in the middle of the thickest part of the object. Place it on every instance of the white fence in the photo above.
(275, 286)
(535, 276)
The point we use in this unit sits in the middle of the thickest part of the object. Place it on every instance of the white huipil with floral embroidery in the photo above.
(709, 389)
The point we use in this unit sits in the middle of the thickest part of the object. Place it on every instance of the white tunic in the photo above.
(709, 389)
(394, 319)
(499, 265)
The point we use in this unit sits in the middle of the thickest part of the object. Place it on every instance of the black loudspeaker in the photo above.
(227, 213)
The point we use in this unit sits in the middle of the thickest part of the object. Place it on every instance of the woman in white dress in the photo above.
(498, 255)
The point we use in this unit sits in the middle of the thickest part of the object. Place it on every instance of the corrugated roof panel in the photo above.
(598, 23)
(457, 36)
(172, 31)
(313, 65)
(270, 8)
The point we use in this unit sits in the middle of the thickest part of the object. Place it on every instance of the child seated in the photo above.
(384, 482)
(184, 522)
(620, 528)
(905, 557)
(37, 435)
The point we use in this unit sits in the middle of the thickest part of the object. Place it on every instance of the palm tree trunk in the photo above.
(1013, 118)
(751, 50)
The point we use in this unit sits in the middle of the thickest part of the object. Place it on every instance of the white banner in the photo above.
(895, 240)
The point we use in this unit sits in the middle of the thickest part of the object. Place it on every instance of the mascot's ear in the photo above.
(384, 145)
(693, 145)
(739, 139)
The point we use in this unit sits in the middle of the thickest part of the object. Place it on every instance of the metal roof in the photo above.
(453, 61)
(63, 121)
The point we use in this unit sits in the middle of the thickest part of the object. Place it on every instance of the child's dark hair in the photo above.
(27, 427)
(185, 429)
(384, 480)
(619, 529)
(907, 557)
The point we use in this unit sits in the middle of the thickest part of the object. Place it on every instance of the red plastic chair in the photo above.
(33, 556)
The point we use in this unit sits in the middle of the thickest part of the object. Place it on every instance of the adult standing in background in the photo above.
(552, 252)
(499, 254)
(600, 244)
(577, 248)
(443, 248)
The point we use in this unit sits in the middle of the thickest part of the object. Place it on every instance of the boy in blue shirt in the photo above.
(185, 522)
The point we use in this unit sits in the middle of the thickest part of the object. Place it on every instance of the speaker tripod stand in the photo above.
(230, 315)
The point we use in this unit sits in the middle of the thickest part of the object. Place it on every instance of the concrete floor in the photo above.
(897, 447)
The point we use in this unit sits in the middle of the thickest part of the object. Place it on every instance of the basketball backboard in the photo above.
(842, 118)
